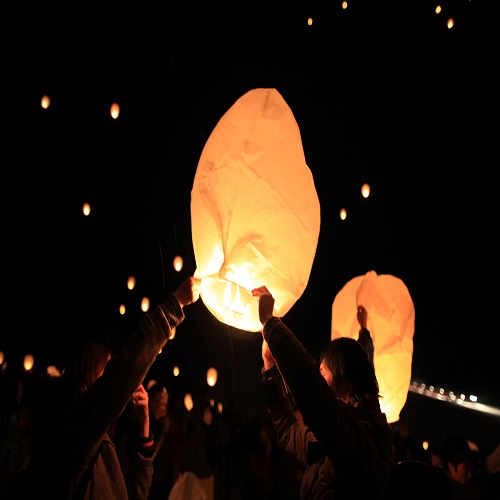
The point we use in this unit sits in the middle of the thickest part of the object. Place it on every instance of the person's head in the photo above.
(457, 458)
(346, 368)
(88, 364)
(158, 400)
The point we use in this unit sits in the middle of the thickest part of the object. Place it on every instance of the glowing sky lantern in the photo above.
(114, 111)
(45, 102)
(178, 263)
(131, 283)
(255, 213)
(188, 402)
(28, 362)
(391, 321)
(145, 304)
(211, 377)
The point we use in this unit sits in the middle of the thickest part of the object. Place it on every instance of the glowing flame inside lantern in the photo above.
(237, 304)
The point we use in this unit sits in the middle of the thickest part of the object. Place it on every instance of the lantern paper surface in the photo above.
(255, 213)
(391, 322)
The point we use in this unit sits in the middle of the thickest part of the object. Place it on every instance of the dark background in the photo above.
(383, 92)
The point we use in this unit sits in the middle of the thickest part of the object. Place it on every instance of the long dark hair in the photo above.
(350, 367)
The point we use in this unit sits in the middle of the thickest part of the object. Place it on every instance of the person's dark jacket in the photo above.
(74, 437)
(344, 451)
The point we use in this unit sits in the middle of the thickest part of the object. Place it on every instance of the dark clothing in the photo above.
(74, 433)
(345, 451)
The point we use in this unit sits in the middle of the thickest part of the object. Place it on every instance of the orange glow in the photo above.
(131, 283)
(391, 322)
(246, 215)
(29, 361)
(145, 304)
(450, 23)
(309, 21)
(344, 5)
(343, 213)
(122, 309)
(115, 111)
(188, 402)
(211, 377)
(86, 209)
(45, 102)
(365, 190)
(52, 371)
(176, 371)
(438, 9)
(178, 263)
(1, 357)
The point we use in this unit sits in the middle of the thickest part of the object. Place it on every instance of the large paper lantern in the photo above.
(255, 213)
(391, 321)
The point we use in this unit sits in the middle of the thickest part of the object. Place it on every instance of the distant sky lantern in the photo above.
(438, 9)
(53, 371)
(391, 321)
(86, 209)
(176, 371)
(131, 283)
(365, 190)
(344, 5)
(309, 21)
(45, 102)
(219, 407)
(188, 402)
(29, 361)
(122, 309)
(145, 304)
(450, 23)
(178, 263)
(343, 213)
(255, 213)
(211, 377)
(1, 357)
(115, 111)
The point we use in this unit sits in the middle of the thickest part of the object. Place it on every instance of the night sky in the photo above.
(383, 93)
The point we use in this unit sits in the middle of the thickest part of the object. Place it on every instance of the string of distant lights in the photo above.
(440, 394)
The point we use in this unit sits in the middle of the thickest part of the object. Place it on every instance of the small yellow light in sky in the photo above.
(115, 111)
(344, 5)
(438, 9)
(425, 445)
(122, 309)
(450, 23)
(86, 209)
(178, 263)
(188, 402)
(176, 371)
(211, 377)
(343, 213)
(309, 21)
(365, 190)
(131, 283)
(45, 101)
(29, 361)
(145, 304)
